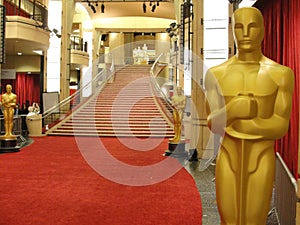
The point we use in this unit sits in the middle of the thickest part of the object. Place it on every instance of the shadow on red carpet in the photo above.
(50, 183)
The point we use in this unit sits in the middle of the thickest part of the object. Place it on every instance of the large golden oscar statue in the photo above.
(250, 98)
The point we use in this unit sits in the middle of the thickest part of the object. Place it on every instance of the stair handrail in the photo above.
(153, 72)
(164, 101)
(103, 77)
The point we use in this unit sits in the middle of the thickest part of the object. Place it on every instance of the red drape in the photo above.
(282, 44)
(25, 86)
(13, 10)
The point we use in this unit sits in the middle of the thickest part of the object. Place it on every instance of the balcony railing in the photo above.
(29, 9)
(77, 43)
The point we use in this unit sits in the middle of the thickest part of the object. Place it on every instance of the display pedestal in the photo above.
(34, 125)
(8, 144)
(193, 155)
(176, 150)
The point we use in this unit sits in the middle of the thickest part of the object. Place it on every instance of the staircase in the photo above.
(125, 107)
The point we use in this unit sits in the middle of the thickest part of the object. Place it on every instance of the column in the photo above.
(197, 96)
(68, 7)
(116, 46)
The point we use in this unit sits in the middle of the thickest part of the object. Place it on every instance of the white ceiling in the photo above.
(121, 9)
(113, 8)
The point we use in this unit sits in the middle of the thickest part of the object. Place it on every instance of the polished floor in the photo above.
(204, 179)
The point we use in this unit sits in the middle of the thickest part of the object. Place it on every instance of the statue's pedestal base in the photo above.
(176, 150)
(8, 145)
(193, 155)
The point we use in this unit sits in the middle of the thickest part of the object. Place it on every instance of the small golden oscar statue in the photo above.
(8, 141)
(176, 144)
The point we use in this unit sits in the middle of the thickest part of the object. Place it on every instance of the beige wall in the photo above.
(129, 24)
(23, 63)
(116, 46)
(162, 44)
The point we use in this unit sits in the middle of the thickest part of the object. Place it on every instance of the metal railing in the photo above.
(77, 43)
(163, 100)
(26, 8)
(64, 108)
(19, 128)
(285, 196)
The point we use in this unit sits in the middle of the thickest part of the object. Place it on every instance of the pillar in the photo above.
(198, 114)
(116, 46)
(68, 7)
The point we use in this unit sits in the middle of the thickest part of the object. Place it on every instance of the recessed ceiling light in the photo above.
(19, 53)
(39, 52)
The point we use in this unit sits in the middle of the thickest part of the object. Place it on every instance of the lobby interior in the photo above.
(77, 37)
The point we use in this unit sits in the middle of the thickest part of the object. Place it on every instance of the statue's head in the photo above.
(179, 90)
(8, 88)
(248, 28)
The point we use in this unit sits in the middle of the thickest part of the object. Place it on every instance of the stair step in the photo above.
(110, 135)
(100, 128)
(121, 107)
(119, 112)
(118, 120)
(126, 125)
(85, 115)
(137, 132)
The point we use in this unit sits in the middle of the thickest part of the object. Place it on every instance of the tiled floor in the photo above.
(204, 180)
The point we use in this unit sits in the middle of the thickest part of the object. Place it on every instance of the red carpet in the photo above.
(50, 183)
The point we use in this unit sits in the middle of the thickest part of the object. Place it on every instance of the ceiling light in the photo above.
(102, 7)
(19, 53)
(39, 52)
(153, 8)
(93, 8)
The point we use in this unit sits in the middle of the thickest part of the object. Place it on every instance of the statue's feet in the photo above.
(8, 136)
(174, 140)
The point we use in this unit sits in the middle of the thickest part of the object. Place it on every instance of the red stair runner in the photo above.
(125, 107)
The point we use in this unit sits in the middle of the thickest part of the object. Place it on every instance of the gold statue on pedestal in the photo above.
(250, 99)
(9, 101)
(178, 102)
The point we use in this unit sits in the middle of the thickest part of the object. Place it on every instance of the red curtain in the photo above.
(13, 10)
(25, 86)
(282, 44)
